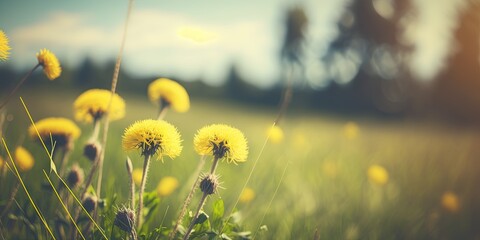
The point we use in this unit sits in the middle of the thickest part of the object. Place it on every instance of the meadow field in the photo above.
(316, 182)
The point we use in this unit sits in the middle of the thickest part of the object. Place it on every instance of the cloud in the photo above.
(66, 34)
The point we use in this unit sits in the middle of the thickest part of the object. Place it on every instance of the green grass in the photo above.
(424, 160)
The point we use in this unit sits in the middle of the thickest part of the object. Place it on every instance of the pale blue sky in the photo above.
(248, 33)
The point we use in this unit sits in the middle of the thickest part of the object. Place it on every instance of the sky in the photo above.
(194, 39)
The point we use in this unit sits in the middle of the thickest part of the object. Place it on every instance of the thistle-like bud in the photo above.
(209, 184)
(125, 219)
(90, 203)
(92, 150)
(75, 176)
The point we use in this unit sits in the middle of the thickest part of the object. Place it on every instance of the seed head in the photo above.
(75, 176)
(92, 150)
(125, 219)
(209, 184)
(90, 203)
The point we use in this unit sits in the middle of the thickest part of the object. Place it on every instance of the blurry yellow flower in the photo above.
(50, 64)
(377, 175)
(330, 168)
(92, 105)
(62, 130)
(1, 162)
(450, 202)
(153, 137)
(167, 91)
(166, 186)
(275, 134)
(4, 47)
(137, 176)
(351, 130)
(247, 195)
(23, 159)
(221, 141)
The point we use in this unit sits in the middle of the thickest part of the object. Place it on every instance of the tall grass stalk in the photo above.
(113, 90)
(19, 84)
(187, 201)
(63, 204)
(284, 103)
(17, 174)
(271, 200)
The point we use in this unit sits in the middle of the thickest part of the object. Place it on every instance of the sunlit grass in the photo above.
(325, 187)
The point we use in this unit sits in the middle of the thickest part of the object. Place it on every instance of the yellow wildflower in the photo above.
(153, 137)
(4, 47)
(275, 134)
(221, 141)
(351, 130)
(450, 202)
(92, 105)
(330, 168)
(137, 176)
(377, 175)
(247, 195)
(50, 64)
(1, 162)
(23, 159)
(166, 186)
(166, 91)
(62, 131)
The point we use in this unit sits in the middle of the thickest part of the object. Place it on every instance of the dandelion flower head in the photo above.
(23, 159)
(93, 104)
(166, 186)
(450, 202)
(247, 195)
(62, 131)
(4, 47)
(1, 162)
(275, 134)
(377, 175)
(153, 137)
(221, 141)
(50, 64)
(170, 92)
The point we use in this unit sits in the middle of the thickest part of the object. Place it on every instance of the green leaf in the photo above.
(218, 211)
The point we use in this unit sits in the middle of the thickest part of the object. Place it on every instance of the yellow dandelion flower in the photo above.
(1, 162)
(50, 64)
(221, 141)
(63, 131)
(450, 202)
(247, 195)
(166, 91)
(275, 134)
(4, 47)
(23, 159)
(330, 168)
(153, 137)
(377, 175)
(166, 186)
(137, 176)
(92, 105)
(351, 130)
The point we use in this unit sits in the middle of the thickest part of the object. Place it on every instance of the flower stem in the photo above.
(214, 165)
(132, 183)
(15, 89)
(146, 164)
(194, 219)
(188, 199)
(96, 129)
(10, 200)
(163, 112)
